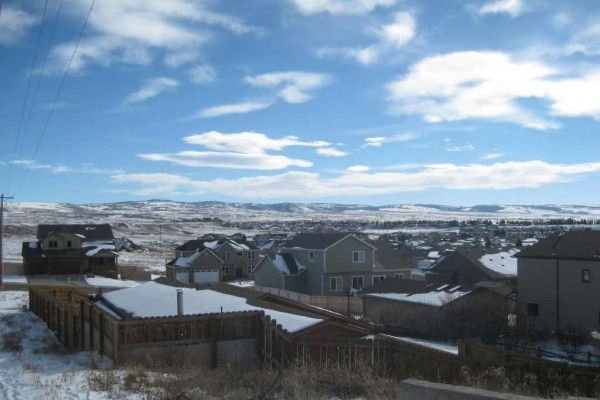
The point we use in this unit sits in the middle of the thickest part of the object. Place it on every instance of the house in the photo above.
(71, 249)
(322, 264)
(213, 258)
(559, 281)
(469, 265)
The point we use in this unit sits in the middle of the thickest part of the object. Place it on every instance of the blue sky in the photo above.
(350, 101)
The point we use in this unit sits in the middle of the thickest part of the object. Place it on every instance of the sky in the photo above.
(457, 102)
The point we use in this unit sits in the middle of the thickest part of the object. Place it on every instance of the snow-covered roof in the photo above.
(433, 298)
(503, 262)
(152, 299)
(433, 254)
(186, 261)
(282, 263)
(211, 245)
(94, 247)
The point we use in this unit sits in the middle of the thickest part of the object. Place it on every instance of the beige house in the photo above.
(559, 281)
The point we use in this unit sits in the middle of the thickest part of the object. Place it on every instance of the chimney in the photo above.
(179, 301)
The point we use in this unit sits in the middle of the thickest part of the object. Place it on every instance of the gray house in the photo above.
(334, 263)
(559, 281)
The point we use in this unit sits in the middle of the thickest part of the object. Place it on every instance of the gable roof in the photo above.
(215, 243)
(573, 244)
(464, 256)
(86, 231)
(318, 241)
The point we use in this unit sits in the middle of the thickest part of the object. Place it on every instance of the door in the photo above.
(239, 271)
(206, 276)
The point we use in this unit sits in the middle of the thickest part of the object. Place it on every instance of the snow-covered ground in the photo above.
(33, 365)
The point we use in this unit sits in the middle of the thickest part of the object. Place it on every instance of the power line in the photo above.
(19, 130)
(62, 83)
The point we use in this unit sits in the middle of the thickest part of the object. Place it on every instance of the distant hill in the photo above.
(174, 211)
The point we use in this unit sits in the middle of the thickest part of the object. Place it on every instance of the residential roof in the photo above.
(392, 256)
(572, 244)
(287, 264)
(314, 241)
(85, 231)
(32, 250)
(432, 295)
(465, 255)
(215, 243)
(398, 286)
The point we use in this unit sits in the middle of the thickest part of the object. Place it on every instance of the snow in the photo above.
(186, 261)
(442, 346)
(32, 245)
(41, 369)
(14, 279)
(433, 254)
(241, 283)
(281, 265)
(152, 299)
(211, 245)
(98, 246)
(434, 298)
(108, 282)
(503, 262)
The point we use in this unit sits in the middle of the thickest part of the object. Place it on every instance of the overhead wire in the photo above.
(24, 107)
(53, 106)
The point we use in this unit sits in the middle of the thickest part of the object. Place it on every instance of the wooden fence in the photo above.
(349, 305)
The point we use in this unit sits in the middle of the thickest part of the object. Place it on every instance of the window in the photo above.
(52, 244)
(357, 282)
(585, 276)
(378, 278)
(69, 244)
(335, 283)
(226, 256)
(358, 256)
(205, 256)
(532, 309)
(239, 254)
(250, 255)
(225, 269)
(399, 275)
(311, 256)
(250, 269)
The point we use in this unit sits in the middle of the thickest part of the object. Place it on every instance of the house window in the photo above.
(239, 254)
(585, 276)
(250, 269)
(69, 244)
(378, 278)
(358, 256)
(311, 256)
(226, 256)
(532, 309)
(52, 244)
(250, 255)
(335, 283)
(358, 282)
(399, 275)
(205, 256)
(225, 269)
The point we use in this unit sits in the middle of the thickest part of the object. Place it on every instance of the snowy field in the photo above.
(33, 365)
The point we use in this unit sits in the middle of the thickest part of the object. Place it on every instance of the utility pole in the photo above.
(2, 197)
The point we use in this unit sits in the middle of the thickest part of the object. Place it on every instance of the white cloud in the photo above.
(203, 74)
(152, 88)
(235, 108)
(243, 150)
(13, 24)
(358, 168)
(341, 7)
(514, 8)
(392, 36)
(295, 84)
(247, 142)
(490, 85)
(363, 55)
(135, 32)
(60, 169)
(257, 161)
(401, 31)
(492, 156)
(378, 141)
(466, 147)
(331, 152)
(297, 184)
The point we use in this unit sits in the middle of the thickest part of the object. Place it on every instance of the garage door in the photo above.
(182, 276)
(206, 276)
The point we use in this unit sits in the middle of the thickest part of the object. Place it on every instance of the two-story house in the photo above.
(559, 281)
(213, 258)
(71, 249)
(330, 264)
